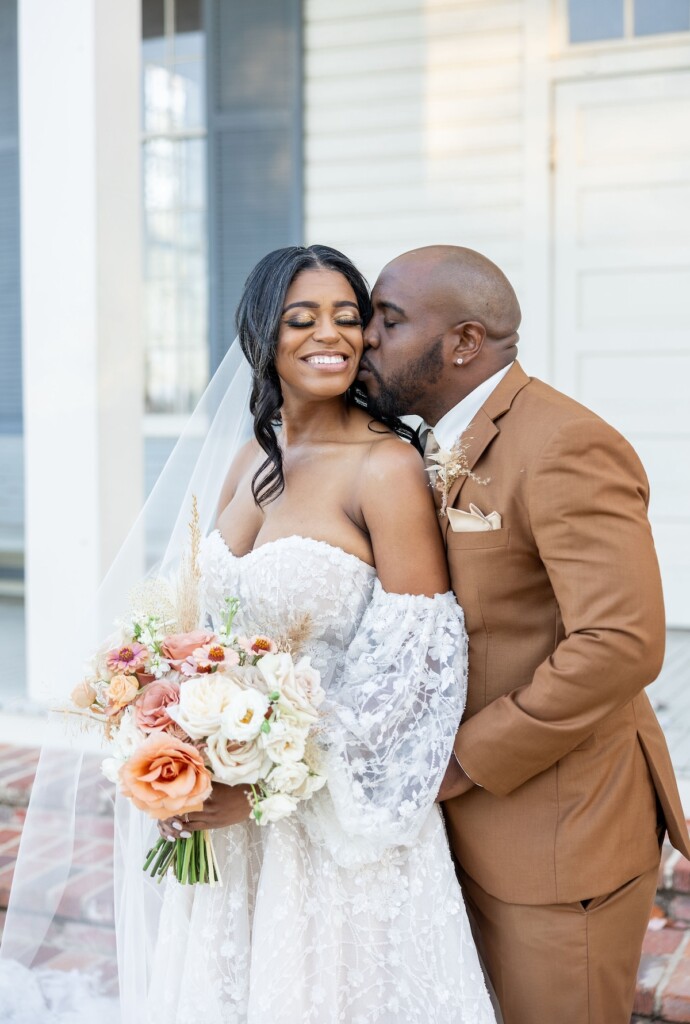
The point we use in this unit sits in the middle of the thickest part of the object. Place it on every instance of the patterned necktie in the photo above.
(431, 448)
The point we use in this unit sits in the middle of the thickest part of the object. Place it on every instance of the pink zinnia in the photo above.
(129, 658)
(258, 645)
(214, 656)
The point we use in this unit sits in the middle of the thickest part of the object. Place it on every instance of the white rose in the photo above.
(244, 716)
(284, 742)
(294, 686)
(312, 784)
(275, 807)
(309, 680)
(287, 778)
(110, 767)
(202, 705)
(274, 668)
(237, 763)
(128, 737)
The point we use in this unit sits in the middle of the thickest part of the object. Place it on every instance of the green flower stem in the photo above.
(167, 861)
(188, 850)
(192, 860)
(163, 854)
(151, 855)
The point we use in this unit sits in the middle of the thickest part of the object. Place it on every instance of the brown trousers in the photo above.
(563, 963)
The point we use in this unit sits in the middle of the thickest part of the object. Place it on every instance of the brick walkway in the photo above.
(83, 932)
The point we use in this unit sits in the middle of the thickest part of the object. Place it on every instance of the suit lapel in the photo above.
(483, 429)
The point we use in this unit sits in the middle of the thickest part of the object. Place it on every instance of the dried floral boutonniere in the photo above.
(450, 466)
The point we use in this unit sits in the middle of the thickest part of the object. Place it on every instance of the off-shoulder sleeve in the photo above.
(390, 721)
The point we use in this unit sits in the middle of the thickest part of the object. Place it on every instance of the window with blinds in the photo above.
(255, 145)
(222, 165)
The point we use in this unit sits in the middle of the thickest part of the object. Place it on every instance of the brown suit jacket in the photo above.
(565, 617)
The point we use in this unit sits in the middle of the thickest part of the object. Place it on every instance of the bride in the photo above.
(348, 910)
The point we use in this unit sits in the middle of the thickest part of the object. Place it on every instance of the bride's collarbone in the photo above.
(318, 501)
(288, 516)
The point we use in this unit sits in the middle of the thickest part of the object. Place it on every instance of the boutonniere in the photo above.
(451, 464)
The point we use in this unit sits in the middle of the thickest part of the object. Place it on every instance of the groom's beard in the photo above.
(399, 395)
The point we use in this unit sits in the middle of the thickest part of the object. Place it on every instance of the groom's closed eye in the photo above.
(388, 308)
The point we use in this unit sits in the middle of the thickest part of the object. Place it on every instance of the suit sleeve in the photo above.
(587, 505)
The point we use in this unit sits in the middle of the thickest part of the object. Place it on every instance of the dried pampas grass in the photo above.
(187, 603)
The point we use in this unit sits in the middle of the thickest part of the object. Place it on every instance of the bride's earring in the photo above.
(458, 362)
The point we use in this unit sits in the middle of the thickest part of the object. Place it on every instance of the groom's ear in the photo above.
(466, 340)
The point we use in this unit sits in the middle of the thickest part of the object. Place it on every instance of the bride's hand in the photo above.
(227, 805)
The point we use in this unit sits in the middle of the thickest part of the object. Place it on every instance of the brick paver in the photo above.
(82, 934)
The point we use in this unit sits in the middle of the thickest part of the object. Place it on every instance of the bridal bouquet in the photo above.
(185, 707)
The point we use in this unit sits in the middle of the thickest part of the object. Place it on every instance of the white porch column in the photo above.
(80, 223)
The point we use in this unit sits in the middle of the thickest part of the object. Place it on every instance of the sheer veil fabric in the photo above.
(69, 792)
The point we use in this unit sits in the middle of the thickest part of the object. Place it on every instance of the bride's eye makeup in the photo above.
(354, 321)
(299, 323)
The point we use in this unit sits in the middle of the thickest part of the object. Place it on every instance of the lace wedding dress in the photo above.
(349, 910)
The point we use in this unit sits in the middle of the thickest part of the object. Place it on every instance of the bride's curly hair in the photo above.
(258, 320)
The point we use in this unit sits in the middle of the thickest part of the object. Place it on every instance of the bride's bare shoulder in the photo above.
(391, 456)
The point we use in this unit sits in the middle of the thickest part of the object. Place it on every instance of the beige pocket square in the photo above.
(474, 520)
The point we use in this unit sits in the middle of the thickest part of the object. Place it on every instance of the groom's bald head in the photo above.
(462, 282)
(445, 319)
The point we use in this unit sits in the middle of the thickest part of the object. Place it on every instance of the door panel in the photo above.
(622, 283)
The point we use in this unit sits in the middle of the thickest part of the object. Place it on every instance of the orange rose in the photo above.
(166, 777)
(178, 646)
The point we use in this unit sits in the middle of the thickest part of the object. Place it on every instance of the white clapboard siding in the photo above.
(460, 195)
(385, 55)
(493, 18)
(373, 111)
(413, 127)
(330, 10)
(447, 83)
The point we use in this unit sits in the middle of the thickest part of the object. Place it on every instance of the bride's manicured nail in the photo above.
(185, 835)
(177, 825)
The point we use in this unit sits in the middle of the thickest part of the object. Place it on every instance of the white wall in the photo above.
(414, 127)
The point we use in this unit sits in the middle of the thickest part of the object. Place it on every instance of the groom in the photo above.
(561, 786)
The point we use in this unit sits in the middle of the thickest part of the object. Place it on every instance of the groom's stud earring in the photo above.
(458, 362)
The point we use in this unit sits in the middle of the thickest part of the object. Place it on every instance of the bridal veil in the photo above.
(69, 790)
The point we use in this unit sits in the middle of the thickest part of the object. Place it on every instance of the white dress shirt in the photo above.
(457, 420)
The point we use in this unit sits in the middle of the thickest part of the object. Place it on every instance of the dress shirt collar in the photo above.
(457, 420)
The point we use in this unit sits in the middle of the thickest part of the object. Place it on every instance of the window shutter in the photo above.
(255, 204)
(10, 296)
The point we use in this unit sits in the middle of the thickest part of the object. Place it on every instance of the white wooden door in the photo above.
(621, 310)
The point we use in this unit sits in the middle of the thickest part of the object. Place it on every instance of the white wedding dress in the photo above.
(349, 910)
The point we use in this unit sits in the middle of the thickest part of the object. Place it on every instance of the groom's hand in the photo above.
(227, 805)
(455, 781)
